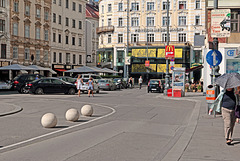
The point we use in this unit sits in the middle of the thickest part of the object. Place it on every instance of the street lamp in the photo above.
(126, 53)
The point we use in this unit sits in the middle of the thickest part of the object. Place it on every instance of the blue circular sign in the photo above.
(172, 67)
(214, 57)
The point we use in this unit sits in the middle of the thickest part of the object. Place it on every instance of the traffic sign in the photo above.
(147, 63)
(171, 67)
(169, 52)
(172, 63)
(214, 57)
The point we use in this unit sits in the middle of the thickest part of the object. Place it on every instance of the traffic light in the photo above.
(98, 65)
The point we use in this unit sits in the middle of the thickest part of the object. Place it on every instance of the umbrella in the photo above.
(16, 67)
(109, 70)
(229, 80)
(84, 69)
(42, 68)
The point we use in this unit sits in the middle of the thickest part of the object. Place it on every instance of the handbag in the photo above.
(237, 111)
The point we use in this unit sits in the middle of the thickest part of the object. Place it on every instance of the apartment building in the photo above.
(68, 35)
(30, 24)
(148, 34)
(5, 57)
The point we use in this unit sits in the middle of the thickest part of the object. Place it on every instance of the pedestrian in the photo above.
(79, 84)
(130, 82)
(37, 77)
(140, 80)
(228, 113)
(90, 87)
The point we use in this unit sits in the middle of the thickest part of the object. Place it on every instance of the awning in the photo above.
(60, 70)
(194, 68)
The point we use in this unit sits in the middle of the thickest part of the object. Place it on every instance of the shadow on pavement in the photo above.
(82, 121)
(236, 141)
(8, 92)
(60, 127)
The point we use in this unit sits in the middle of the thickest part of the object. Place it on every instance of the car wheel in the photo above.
(97, 91)
(24, 90)
(71, 91)
(39, 91)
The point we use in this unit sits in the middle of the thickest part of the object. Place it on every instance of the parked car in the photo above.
(85, 86)
(107, 84)
(19, 82)
(155, 85)
(68, 79)
(51, 85)
(5, 85)
(120, 83)
(87, 76)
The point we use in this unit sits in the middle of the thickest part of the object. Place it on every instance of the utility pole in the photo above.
(126, 53)
(167, 61)
(215, 46)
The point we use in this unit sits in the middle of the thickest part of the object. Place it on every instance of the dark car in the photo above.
(68, 79)
(155, 85)
(19, 82)
(51, 85)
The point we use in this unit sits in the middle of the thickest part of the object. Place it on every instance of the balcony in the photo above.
(159, 43)
(105, 29)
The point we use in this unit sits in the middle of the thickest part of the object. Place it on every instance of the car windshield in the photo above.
(85, 80)
(154, 82)
(102, 81)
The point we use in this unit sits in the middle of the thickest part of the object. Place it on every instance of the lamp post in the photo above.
(126, 53)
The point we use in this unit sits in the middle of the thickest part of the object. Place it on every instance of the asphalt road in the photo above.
(127, 125)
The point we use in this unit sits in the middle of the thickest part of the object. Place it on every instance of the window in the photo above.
(67, 3)
(37, 33)
(120, 24)
(164, 37)
(134, 38)
(74, 59)
(54, 57)
(109, 22)
(182, 37)
(197, 20)
(2, 25)
(73, 23)
(2, 3)
(120, 56)
(182, 21)
(74, 6)
(15, 52)
(15, 7)
(165, 5)
(38, 12)
(27, 10)
(235, 23)
(60, 19)
(60, 57)
(37, 54)
(54, 37)
(120, 38)
(182, 5)
(73, 40)
(109, 7)
(54, 1)
(80, 8)
(150, 6)
(150, 37)
(67, 21)
(165, 21)
(80, 59)
(80, 42)
(60, 2)
(102, 8)
(135, 21)
(26, 53)
(46, 35)
(135, 6)
(120, 6)
(46, 13)
(67, 57)
(109, 38)
(66, 39)
(45, 56)
(54, 17)
(59, 38)
(27, 31)
(150, 21)
(15, 29)
(80, 24)
(102, 22)
(197, 4)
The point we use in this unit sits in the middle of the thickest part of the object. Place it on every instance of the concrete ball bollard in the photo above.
(87, 110)
(49, 120)
(72, 114)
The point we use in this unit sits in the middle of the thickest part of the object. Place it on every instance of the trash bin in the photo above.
(177, 93)
(211, 93)
(169, 92)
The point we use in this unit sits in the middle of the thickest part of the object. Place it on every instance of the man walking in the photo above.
(140, 80)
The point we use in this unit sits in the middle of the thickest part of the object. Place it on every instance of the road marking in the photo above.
(55, 132)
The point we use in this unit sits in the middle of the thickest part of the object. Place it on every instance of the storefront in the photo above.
(105, 57)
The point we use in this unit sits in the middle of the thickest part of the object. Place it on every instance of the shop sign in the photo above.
(59, 66)
(230, 53)
(169, 51)
(127, 60)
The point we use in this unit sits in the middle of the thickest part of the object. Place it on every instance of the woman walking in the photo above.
(79, 84)
(228, 113)
(90, 87)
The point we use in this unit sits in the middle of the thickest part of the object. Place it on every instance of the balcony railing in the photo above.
(158, 43)
(105, 29)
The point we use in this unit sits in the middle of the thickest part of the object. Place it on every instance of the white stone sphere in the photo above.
(87, 110)
(72, 115)
(49, 120)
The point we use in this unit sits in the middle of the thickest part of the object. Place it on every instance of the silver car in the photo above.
(107, 84)
(85, 86)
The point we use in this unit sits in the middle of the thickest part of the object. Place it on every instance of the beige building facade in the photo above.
(68, 35)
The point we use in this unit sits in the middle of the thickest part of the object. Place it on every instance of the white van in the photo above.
(94, 76)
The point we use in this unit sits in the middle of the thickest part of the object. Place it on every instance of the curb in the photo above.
(16, 110)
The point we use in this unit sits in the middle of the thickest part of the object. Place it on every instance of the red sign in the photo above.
(169, 52)
(147, 63)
